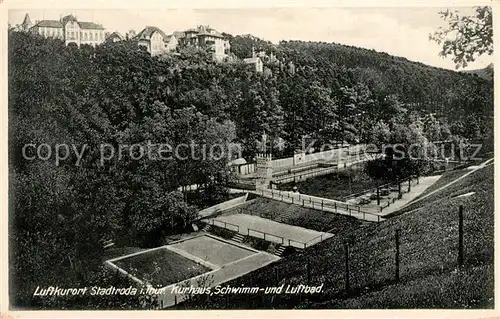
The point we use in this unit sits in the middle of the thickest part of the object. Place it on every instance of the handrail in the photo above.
(320, 237)
(225, 224)
(324, 202)
(264, 233)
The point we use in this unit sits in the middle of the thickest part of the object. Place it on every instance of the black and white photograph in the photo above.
(248, 157)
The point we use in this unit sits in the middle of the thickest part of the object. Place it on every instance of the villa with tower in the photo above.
(67, 28)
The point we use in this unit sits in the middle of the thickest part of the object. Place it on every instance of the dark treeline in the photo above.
(117, 94)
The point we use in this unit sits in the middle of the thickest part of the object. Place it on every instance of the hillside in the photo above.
(116, 94)
(428, 271)
(485, 73)
(421, 87)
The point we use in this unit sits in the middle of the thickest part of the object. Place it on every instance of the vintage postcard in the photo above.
(248, 156)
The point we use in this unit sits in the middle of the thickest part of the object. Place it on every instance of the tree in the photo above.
(466, 37)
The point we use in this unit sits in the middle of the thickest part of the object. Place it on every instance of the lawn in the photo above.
(213, 250)
(333, 186)
(161, 267)
(428, 261)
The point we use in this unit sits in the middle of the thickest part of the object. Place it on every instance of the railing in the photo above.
(299, 176)
(225, 225)
(264, 235)
(316, 203)
(310, 242)
(289, 241)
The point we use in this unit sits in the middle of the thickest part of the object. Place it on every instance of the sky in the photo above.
(397, 31)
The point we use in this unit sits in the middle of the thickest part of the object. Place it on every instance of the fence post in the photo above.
(409, 184)
(335, 205)
(302, 202)
(460, 236)
(397, 254)
(378, 195)
(346, 250)
(399, 190)
(292, 200)
(308, 270)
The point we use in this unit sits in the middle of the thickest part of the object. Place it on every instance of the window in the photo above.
(90, 36)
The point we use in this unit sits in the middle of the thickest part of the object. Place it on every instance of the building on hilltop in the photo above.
(156, 41)
(27, 24)
(205, 37)
(171, 43)
(255, 62)
(68, 29)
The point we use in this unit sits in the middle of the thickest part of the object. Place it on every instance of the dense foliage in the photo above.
(466, 37)
(116, 95)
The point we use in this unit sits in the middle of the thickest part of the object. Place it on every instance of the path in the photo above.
(474, 169)
(416, 190)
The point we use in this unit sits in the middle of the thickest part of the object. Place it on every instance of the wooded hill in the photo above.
(117, 94)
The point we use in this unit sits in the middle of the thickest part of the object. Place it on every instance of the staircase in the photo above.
(206, 228)
(238, 238)
(280, 251)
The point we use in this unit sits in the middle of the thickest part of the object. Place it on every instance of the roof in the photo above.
(27, 20)
(214, 34)
(90, 25)
(251, 60)
(49, 23)
(169, 37)
(68, 18)
(148, 31)
(200, 31)
(59, 24)
(178, 34)
(115, 34)
(238, 161)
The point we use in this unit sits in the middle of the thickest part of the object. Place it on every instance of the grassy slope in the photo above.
(468, 184)
(333, 186)
(301, 216)
(428, 261)
(447, 177)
